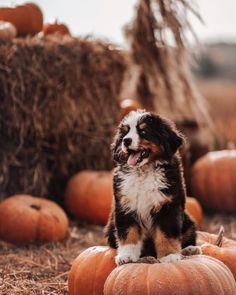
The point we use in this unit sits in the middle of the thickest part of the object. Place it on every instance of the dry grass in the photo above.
(221, 98)
(43, 269)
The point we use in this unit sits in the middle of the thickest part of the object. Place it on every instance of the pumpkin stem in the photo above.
(219, 240)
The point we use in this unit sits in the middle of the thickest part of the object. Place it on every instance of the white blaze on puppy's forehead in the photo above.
(134, 116)
(132, 120)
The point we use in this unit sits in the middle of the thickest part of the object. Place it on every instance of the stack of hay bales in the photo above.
(59, 105)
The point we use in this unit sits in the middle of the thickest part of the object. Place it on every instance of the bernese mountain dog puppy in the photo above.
(148, 216)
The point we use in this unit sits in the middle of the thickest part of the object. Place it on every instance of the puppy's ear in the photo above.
(173, 140)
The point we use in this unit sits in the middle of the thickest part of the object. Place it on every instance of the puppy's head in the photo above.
(143, 137)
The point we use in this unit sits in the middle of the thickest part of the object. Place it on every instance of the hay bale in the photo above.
(59, 105)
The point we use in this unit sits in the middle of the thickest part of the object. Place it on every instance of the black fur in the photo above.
(171, 218)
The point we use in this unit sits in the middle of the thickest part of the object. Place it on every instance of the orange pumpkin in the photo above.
(201, 275)
(128, 105)
(194, 209)
(25, 219)
(56, 27)
(213, 180)
(89, 196)
(90, 270)
(27, 18)
(7, 30)
(225, 251)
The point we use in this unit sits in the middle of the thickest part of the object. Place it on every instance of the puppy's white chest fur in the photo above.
(141, 192)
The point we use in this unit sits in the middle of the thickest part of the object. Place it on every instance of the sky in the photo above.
(106, 18)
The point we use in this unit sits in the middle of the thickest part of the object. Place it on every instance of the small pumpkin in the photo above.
(88, 196)
(194, 209)
(90, 270)
(56, 27)
(7, 30)
(218, 247)
(202, 275)
(27, 18)
(213, 180)
(128, 105)
(25, 219)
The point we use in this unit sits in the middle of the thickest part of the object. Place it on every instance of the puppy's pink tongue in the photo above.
(133, 158)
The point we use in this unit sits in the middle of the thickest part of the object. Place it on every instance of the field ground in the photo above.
(221, 100)
(43, 269)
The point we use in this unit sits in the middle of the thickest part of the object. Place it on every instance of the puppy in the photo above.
(148, 217)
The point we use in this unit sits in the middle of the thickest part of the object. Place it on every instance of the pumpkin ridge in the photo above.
(213, 274)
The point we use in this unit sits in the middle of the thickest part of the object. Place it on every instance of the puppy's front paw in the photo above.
(128, 253)
(122, 259)
(191, 250)
(171, 258)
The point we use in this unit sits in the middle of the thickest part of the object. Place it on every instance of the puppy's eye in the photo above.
(143, 132)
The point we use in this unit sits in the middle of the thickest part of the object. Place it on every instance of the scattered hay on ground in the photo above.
(43, 269)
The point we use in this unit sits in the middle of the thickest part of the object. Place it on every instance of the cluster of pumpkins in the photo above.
(26, 20)
(88, 197)
(94, 271)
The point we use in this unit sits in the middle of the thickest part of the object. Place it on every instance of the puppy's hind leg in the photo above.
(168, 249)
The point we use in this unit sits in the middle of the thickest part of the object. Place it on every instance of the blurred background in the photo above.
(105, 18)
(69, 72)
(214, 57)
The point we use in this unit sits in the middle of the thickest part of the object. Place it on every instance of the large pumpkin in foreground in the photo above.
(90, 270)
(89, 196)
(195, 275)
(25, 219)
(213, 180)
(225, 251)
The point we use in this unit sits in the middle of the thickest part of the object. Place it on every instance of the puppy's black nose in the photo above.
(127, 141)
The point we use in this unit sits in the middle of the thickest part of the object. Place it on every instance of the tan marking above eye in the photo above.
(142, 126)
(125, 128)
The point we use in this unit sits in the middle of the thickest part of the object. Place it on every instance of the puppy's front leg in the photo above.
(168, 249)
(129, 244)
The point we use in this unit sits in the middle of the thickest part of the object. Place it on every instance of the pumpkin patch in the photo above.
(63, 93)
(213, 180)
